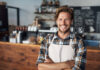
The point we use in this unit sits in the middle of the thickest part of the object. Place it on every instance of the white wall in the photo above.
(80, 2)
(27, 8)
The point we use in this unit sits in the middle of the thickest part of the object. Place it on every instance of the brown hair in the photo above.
(63, 9)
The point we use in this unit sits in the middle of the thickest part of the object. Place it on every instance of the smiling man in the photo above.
(63, 50)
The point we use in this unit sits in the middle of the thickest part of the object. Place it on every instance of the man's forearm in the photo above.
(54, 66)
(48, 69)
(67, 69)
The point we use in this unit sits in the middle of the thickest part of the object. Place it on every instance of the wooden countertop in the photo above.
(89, 49)
(93, 58)
(93, 49)
(30, 45)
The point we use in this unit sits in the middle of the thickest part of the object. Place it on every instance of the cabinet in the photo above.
(3, 23)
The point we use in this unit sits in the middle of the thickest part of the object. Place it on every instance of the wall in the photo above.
(27, 8)
(80, 2)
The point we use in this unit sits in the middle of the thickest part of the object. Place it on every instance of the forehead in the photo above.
(64, 15)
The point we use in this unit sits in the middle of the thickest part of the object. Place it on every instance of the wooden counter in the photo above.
(18, 56)
(24, 56)
(93, 58)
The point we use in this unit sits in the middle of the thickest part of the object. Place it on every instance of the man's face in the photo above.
(64, 22)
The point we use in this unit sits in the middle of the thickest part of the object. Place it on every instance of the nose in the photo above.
(63, 22)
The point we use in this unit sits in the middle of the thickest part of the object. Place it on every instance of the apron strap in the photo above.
(52, 40)
(71, 41)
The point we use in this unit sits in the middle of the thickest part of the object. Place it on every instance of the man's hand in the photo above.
(70, 63)
(48, 61)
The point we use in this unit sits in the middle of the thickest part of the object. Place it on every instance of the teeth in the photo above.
(63, 26)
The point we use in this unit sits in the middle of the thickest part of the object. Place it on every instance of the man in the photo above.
(61, 51)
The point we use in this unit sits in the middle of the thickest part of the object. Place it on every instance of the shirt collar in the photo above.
(57, 37)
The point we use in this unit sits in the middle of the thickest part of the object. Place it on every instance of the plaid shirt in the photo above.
(80, 50)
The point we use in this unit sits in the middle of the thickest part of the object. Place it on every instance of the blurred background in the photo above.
(27, 22)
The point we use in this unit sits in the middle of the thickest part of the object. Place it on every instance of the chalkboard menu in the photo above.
(87, 17)
(0, 23)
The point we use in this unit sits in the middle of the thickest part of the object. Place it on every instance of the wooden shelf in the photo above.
(51, 6)
(46, 19)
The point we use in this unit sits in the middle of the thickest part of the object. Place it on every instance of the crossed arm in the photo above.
(49, 65)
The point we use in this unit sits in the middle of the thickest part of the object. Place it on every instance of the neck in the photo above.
(63, 35)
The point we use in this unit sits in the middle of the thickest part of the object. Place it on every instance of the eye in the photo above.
(67, 19)
(60, 19)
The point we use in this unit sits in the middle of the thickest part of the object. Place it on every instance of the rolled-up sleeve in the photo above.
(41, 56)
(80, 58)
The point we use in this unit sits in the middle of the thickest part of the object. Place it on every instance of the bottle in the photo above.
(57, 3)
(13, 37)
(40, 38)
(19, 37)
(50, 3)
(40, 9)
(53, 3)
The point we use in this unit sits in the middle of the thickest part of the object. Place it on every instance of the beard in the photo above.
(64, 29)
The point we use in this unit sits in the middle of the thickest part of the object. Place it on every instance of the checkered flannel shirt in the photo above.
(80, 49)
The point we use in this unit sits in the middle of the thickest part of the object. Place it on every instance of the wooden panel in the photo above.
(18, 57)
(93, 59)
